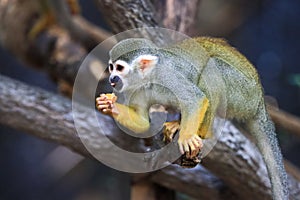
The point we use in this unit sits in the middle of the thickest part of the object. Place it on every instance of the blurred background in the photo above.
(266, 31)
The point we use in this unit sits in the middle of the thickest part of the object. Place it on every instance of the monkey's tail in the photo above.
(264, 132)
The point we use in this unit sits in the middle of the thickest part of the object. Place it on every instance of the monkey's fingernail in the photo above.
(181, 149)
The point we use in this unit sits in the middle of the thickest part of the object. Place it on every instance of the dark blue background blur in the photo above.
(269, 38)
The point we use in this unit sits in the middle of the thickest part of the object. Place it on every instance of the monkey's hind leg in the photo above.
(170, 128)
(205, 131)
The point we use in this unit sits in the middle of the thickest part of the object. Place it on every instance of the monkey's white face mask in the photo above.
(125, 75)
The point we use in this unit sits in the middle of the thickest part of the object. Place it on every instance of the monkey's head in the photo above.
(131, 62)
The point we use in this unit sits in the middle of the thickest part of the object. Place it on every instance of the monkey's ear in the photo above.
(146, 62)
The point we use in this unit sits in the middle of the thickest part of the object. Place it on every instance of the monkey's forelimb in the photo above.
(134, 119)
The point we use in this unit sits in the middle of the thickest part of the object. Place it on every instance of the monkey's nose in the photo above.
(113, 80)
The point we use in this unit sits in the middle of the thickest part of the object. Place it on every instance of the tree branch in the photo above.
(234, 159)
(80, 30)
(178, 15)
(285, 120)
(122, 15)
(49, 117)
(54, 48)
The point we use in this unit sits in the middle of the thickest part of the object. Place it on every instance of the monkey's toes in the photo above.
(170, 128)
(191, 147)
(198, 144)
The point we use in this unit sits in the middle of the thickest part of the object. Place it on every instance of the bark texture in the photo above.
(234, 159)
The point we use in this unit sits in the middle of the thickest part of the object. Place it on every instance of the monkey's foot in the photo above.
(169, 130)
(190, 145)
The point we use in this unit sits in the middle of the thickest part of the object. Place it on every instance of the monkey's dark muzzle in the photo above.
(114, 80)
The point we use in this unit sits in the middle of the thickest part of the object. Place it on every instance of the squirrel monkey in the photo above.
(142, 71)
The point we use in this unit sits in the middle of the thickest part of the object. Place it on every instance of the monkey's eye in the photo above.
(111, 67)
(120, 68)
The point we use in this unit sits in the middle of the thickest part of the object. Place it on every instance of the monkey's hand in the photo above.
(190, 145)
(129, 117)
(169, 130)
(193, 120)
(106, 104)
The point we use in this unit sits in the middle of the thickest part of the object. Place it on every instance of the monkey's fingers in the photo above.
(181, 149)
(168, 135)
(186, 148)
(101, 102)
(199, 140)
(194, 153)
(191, 145)
(101, 98)
(106, 112)
(191, 150)
(196, 145)
(98, 98)
(104, 102)
(109, 96)
(102, 106)
(170, 128)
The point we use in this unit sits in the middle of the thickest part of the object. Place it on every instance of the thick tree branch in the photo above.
(285, 120)
(178, 15)
(175, 15)
(82, 31)
(91, 30)
(49, 116)
(53, 49)
(122, 15)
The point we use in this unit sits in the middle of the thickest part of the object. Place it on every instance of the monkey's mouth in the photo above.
(117, 86)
